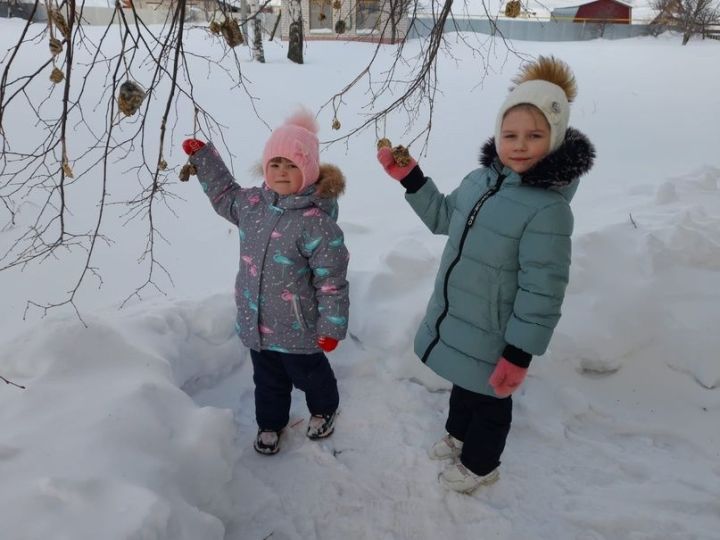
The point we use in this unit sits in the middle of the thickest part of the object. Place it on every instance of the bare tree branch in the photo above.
(127, 88)
(3, 379)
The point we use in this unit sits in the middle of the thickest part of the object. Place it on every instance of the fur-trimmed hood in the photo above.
(322, 194)
(330, 184)
(560, 168)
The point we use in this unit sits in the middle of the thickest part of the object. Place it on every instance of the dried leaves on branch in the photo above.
(410, 84)
(66, 144)
(103, 110)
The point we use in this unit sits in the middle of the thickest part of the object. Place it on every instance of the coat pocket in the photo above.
(300, 317)
(297, 310)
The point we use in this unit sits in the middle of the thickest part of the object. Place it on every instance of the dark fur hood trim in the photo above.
(573, 159)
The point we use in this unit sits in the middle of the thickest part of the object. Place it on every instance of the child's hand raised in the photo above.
(190, 146)
(506, 378)
(387, 158)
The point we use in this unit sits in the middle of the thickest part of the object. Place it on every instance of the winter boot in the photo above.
(321, 426)
(459, 478)
(267, 442)
(446, 448)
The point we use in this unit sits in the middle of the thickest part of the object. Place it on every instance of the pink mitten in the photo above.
(386, 159)
(506, 378)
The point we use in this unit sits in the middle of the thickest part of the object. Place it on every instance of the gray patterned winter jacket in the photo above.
(291, 286)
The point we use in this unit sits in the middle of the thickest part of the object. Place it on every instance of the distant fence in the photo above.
(712, 32)
(514, 29)
(532, 30)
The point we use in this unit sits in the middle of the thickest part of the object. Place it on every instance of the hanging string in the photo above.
(189, 169)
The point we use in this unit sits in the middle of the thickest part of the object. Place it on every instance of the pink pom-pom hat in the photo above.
(296, 140)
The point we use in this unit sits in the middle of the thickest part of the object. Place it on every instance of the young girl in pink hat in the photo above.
(291, 290)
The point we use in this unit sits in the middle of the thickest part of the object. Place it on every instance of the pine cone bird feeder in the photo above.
(55, 46)
(230, 30)
(57, 76)
(400, 154)
(130, 98)
(187, 170)
(384, 143)
(512, 8)
(214, 27)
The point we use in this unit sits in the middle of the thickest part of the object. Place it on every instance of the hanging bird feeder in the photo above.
(400, 154)
(55, 46)
(130, 97)
(57, 76)
(230, 30)
(187, 170)
(512, 9)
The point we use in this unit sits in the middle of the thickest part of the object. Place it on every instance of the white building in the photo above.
(356, 20)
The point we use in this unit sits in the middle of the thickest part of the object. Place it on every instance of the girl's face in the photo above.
(524, 138)
(283, 176)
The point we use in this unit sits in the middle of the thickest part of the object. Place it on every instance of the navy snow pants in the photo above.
(275, 374)
(482, 423)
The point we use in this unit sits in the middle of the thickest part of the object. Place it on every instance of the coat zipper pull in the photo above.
(489, 193)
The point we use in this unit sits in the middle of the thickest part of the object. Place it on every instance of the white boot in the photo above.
(459, 478)
(321, 426)
(446, 448)
(267, 442)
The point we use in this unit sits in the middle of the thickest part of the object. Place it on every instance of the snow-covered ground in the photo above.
(139, 426)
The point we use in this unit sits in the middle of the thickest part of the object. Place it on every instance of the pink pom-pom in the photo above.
(304, 119)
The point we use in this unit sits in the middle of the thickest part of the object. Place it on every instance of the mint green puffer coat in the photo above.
(505, 267)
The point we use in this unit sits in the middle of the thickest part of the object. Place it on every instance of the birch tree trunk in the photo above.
(257, 46)
(295, 37)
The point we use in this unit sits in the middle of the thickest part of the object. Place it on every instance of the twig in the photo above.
(3, 379)
(633, 221)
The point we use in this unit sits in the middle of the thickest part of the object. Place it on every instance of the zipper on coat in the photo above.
(468, 224)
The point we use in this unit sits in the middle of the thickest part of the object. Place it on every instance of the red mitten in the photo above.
(506, 378)
(327, 343)
(190, 146)
(386, 159)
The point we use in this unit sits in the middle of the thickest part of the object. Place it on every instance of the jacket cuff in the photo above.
(193, 158)
(414, 180)
(517, 356)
